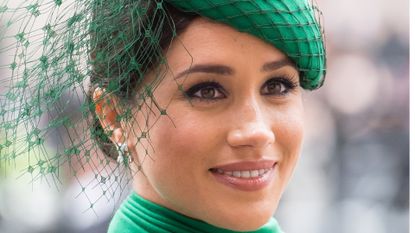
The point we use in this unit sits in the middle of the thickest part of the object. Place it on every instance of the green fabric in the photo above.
(139, 215)
(289, 25)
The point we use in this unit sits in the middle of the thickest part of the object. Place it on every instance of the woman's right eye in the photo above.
(206, 91)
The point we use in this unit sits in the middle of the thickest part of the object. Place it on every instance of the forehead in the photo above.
(205, 41)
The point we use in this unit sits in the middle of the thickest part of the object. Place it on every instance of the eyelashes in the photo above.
(206, 90)
(212, 91)
(279, 86)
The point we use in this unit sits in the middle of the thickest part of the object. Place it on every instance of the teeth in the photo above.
(236, 173)
(254, 173)
(245, 174)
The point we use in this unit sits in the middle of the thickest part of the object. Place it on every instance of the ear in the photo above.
(107, 113)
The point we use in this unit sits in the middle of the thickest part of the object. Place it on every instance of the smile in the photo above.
(245, 176)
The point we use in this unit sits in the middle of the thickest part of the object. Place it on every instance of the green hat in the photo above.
(54, 52)
(289, 25)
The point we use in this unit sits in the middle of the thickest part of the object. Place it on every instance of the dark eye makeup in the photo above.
(278, 86)
(212, 91)
(206, 91)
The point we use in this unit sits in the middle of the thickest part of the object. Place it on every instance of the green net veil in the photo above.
(55, 53)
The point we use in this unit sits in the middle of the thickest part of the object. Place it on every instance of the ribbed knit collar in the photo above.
(137, 214)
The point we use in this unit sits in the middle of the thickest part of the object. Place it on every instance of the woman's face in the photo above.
(230, 140)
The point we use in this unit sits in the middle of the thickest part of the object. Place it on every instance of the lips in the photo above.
(246, 175)
(247, 165)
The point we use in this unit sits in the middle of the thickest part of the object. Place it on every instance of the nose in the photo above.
(250, 129)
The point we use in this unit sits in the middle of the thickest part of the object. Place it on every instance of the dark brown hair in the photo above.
(130, 48)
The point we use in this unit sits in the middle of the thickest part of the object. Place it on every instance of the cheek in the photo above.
(177, 137)
(179, 143)
(290, 133)
(178, 168)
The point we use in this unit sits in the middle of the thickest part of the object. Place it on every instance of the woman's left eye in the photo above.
(277, 86)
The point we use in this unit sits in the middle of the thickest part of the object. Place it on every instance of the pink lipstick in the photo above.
(247, 175)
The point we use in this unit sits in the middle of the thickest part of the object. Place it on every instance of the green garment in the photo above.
(139, 215)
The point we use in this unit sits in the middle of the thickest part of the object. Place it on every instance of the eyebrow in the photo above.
(226, 70)
(275, 65)
(207, 68)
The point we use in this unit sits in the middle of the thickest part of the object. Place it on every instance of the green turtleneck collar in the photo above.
(137, 214)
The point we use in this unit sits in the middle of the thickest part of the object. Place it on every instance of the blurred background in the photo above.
(353, 175)
(354, 172)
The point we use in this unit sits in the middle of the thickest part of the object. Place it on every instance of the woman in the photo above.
(223, 156)
(202, 101)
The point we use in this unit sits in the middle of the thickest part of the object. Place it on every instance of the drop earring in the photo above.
(124, 156)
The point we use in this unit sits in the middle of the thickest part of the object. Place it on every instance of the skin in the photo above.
(248, 118)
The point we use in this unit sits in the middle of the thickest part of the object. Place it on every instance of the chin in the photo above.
(246, 219)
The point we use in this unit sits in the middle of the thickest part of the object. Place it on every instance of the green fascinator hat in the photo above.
(289, 25)
(55, 53)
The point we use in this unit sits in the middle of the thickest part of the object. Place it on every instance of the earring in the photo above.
(124, 156)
